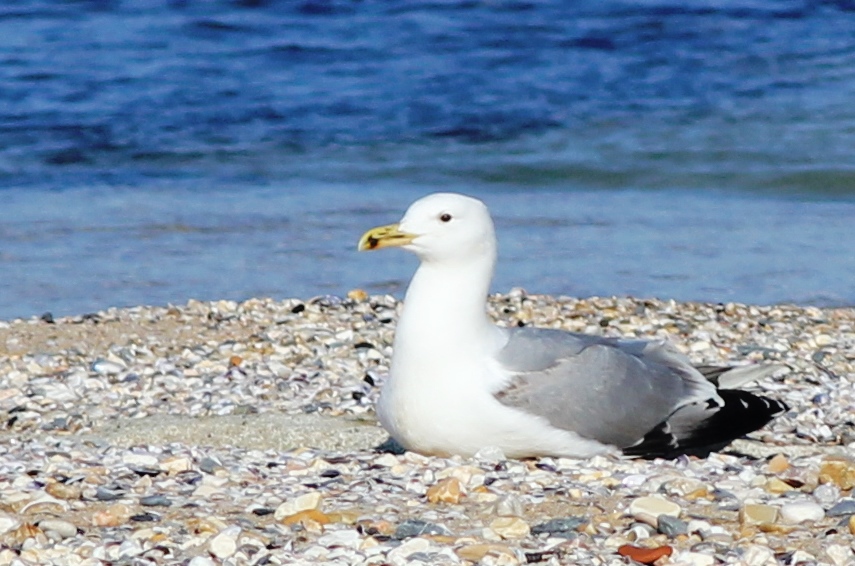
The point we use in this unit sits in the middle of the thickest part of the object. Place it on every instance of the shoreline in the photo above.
(196, 432)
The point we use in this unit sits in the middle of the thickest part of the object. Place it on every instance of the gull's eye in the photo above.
(445, 217)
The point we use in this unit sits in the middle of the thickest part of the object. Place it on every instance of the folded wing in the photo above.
(643, 397)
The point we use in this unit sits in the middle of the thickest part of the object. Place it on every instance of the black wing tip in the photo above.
(742, 413)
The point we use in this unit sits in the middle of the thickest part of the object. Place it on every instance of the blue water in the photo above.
(156, 151)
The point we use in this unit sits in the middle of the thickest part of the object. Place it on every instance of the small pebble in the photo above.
(510, 527)
(671, 526)
(800, 557)
(840, 555)
(839, 471)
(698, 526)
(406, 549)
(104, 494)
(490, 454)
(776, 486)
(357, 295)
(756, 555)
(113, 516)
(645, 555)
(758, 514)
(778, 464)
(155, 501)
(694, 559)
(129, 549)
(564, 527)
(135, 459)
(447, 490)
(639, 532)
(827, 494)
(63, 491)
(415, 527)
(842, 508)
(106, 367)
(309, 519)
(209, 465)
(8, 523)
(224, 544)
(176, 465)
(304, 502)
(507, 506)
(647, 509)
(347, 538)
(480, 553)
(801, 511)
(63, 528)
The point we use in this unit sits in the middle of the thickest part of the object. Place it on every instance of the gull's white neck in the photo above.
(445, 307)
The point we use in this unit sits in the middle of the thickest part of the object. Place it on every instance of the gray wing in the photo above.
(610, 390)
(733, 377)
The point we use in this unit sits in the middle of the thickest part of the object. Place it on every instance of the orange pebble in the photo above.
(445, 491)
(645, 555)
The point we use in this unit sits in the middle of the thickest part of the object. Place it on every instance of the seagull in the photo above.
(458, 383)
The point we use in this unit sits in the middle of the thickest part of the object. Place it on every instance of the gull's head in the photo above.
(439, 227)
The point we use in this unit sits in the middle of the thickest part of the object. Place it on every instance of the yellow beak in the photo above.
(384, 237)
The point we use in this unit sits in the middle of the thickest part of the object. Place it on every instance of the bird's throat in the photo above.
(447, 305)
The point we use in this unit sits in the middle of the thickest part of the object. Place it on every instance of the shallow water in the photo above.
(158, 153)
(78, 251)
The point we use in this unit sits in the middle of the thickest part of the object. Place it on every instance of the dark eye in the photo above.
(445, 217)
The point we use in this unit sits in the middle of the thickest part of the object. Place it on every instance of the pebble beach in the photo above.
(244, 433)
